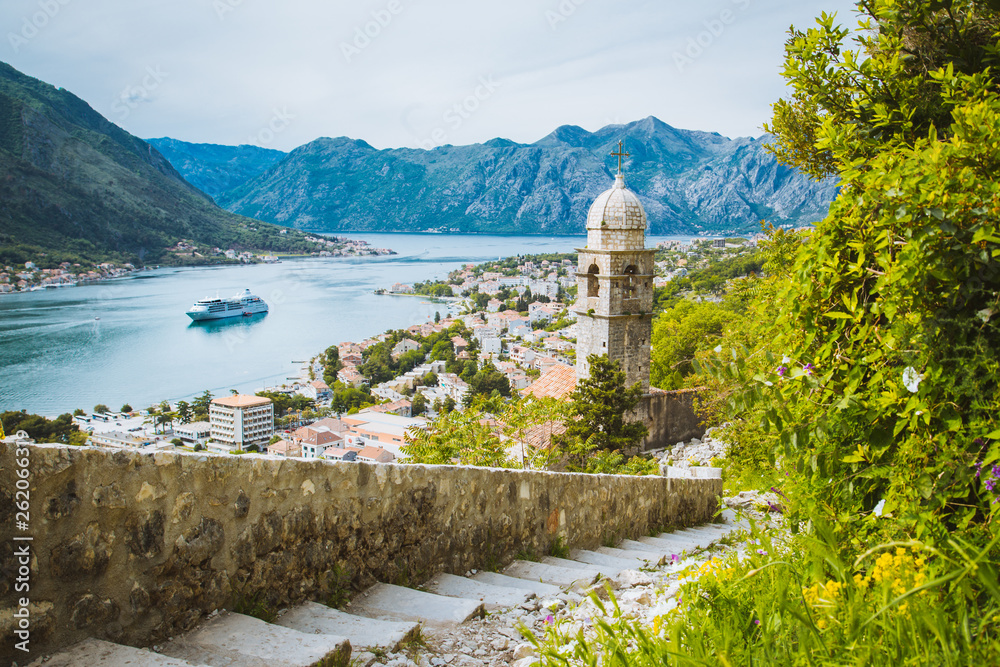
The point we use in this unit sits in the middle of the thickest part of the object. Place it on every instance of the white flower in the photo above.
(912, 379)
(769, 383)
(718, 349)
(985, 314)
(878, 508)
(785, 360)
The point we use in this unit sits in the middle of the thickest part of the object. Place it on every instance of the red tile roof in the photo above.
(557, 382)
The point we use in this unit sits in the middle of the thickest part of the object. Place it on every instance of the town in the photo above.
(506, 328)
(31, 278)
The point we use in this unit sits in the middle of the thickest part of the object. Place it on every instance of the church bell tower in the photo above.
(615, 284)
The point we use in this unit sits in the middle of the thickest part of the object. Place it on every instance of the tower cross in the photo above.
(621, 154)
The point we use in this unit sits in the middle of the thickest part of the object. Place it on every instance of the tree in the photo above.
(437, 317)
(443, 350)
(460, 437)
(487, 380)
(677, 334)
(78, 413)
(599, 411)
(61, 429)
(883, 382)
(100, 408)
(378, 366)
(419, 404)
(331, 365)
(164, 415)
(126, 408)
(185, 412)
(901, 83)
(201, 405)
(533, 424)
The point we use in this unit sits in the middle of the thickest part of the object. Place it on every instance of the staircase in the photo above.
(384, 617)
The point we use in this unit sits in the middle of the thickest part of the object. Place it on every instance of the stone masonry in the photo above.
(137, 547)
(615, 286)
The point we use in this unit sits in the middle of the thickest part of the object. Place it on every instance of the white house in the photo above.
(240, 421)
(404, 346)
(195, 433)
(317, 390)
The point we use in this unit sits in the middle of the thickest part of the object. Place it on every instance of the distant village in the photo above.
(30, 278)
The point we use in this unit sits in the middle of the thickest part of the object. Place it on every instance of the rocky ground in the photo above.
(498, 640)
(704, 451)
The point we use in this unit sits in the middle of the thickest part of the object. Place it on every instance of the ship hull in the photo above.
(206, 316)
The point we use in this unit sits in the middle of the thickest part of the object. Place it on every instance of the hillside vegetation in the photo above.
(859, 371)
(76, 187)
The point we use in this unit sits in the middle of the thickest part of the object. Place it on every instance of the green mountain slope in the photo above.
(214, 169)
(688, 182)
(75, 186)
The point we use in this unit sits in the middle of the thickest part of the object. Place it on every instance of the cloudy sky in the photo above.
(409, 72)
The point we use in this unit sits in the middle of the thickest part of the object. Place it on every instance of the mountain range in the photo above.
(76, 187)
(688, 181)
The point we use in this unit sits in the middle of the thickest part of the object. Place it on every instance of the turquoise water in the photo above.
(55, 355)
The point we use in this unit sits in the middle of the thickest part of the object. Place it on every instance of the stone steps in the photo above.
(602, 569)
(364, 633)
(600, 559)
(386, 616)
(491, 595)
(645, 556)
(396, 603)
(552, 574)
(537, 587)
(235, 640)
(99, 653)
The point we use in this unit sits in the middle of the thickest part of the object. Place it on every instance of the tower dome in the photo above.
(618, 208)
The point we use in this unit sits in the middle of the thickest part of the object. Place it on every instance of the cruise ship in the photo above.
(217, 309)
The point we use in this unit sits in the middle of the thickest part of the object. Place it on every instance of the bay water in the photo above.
(130, 341)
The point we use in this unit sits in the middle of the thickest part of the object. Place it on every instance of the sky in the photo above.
(417, 73)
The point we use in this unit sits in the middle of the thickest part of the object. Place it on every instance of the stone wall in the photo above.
(671, 418)
(137, 547)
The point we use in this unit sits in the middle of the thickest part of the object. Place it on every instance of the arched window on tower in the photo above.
(593, 286)
(631, 282)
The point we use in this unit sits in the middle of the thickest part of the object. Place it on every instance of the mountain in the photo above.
(214, 169)
(688, 181)
(76, 187)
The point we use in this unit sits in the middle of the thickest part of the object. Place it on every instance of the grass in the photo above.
(339, 586)
(251, 603)
(559, 548)
(527, 554)
(800, 604)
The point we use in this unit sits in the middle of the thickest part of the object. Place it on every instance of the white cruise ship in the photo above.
(218, 309)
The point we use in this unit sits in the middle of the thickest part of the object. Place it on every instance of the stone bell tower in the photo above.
(615, 284)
